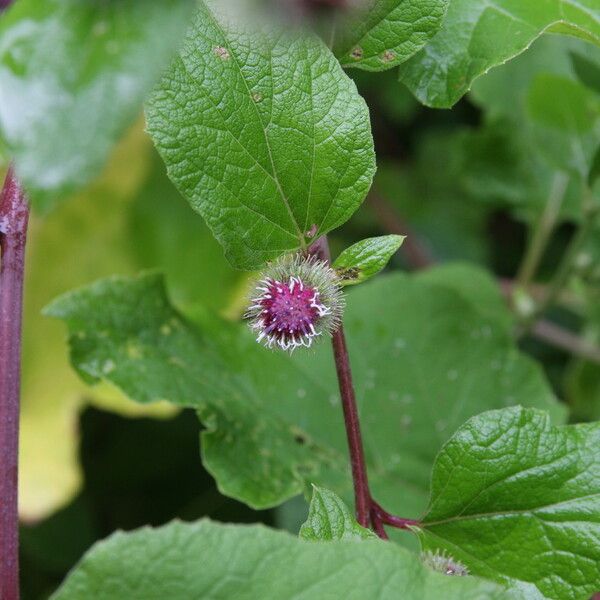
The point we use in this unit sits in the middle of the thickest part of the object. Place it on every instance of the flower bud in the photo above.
(297, 300)
(443, 563)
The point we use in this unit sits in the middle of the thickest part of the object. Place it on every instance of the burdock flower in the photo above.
(297, 300)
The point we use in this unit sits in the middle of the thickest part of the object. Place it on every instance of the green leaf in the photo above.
(566, 118)
(386, 32)
(594, 174)
(531, 139)
(295, 154)
(502, 92)
(405, 185)
(582, 377)
(165, 233)
(503, 167)
(425, 358)
(330, 519)
(366, 258)
(180, 561)
(583, 390)
(477, 286)
(73, 76)
(131, 218)
(476, 36)
(587, 71)
(517, 500)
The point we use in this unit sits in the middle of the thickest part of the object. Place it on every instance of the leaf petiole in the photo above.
(368, 512)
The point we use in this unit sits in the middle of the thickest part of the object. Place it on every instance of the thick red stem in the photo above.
(362, 496)
(14, 214)
(368, 512)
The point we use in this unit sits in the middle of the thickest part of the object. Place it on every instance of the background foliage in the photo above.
(264, 153)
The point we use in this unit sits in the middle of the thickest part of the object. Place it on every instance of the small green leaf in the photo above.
(517, 500)
(366, 258)
(330, 519)
(386, 33)
(73, 76)
(476, 36)
(264, 134)
(180, 561)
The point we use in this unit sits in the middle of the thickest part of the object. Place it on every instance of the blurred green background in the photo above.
(464, 184)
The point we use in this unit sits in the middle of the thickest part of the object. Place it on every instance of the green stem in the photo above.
(567, 263)
(543, 230)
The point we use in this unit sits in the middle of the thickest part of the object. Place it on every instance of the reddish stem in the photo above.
(389, 519)
(362, 496)
(377, 524)
(368, 512)
(14, 214)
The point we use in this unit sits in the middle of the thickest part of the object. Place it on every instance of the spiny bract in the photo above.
(296, 300)
(443, 563)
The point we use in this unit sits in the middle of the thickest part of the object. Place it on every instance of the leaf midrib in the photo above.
(506, 513)
(263, 129)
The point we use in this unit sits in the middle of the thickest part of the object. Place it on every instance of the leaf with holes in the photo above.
(385, 33)
(517, 500)
(271, 156)
(477, 36)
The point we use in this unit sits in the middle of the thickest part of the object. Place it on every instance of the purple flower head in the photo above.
(296, 301)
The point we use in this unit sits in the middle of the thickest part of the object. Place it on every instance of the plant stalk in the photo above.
(567, 264)
(543, 230)
(368, 512)
(14, 216)
(362, 495)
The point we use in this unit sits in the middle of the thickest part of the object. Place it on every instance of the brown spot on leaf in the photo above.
(388, 56)
(357, 53)
(348, 274)
(222, 52)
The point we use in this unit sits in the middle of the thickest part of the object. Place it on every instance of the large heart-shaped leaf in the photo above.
(478, 35)
(73, 76)
(264, 134)
(225, 562)
(425, 358)
(518, 500)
